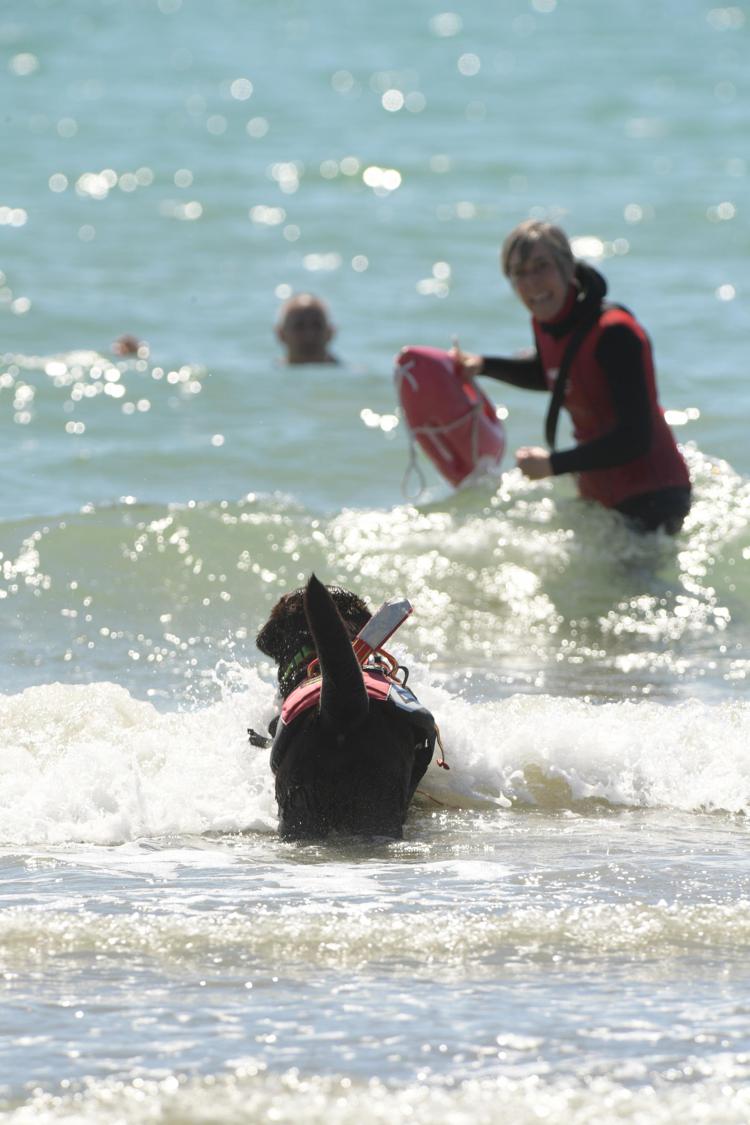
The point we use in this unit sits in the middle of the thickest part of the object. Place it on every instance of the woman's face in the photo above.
(539, 284)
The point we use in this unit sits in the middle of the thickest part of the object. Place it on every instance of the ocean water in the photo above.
(563, 935)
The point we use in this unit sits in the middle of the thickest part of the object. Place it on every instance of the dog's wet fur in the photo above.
(350, 765)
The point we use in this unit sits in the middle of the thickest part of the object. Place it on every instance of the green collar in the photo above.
(299, 658)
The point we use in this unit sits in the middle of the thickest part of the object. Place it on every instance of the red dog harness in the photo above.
(308, 693)
(381, 688)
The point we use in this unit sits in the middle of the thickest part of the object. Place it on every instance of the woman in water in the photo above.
(596, 360)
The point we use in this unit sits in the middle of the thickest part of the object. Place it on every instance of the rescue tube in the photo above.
(452, 419)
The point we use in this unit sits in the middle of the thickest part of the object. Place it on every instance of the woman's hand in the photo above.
(533, 461)
(468, 363)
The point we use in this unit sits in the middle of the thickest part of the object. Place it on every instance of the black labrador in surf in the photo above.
(351, 744)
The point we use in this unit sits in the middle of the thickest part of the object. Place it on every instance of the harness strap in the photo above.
(378, 661)
(558, 394)
(260, 740)
(441, 760)
(574, 343)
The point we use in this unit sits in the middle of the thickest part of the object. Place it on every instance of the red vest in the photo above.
(588, 401)
(308, 694)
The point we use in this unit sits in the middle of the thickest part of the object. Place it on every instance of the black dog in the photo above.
(349, 749)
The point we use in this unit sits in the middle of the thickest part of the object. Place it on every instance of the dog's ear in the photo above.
(283, 626)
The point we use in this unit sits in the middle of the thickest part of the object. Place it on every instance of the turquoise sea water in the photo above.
(563, 935)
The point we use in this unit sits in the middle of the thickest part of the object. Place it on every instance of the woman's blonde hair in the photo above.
(534, 233)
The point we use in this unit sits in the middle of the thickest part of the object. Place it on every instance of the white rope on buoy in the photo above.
(413, 469)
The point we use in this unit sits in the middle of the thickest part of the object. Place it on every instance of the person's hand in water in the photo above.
(534, 462)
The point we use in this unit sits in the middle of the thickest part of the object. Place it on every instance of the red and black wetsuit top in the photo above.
(624, 446)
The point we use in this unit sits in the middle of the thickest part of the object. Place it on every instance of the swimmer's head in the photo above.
(130, 345)
(304, 329)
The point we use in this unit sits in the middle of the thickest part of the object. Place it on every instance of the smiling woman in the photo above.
(596, 359)
(541, 269)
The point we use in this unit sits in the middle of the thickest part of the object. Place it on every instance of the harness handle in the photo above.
(378, 657)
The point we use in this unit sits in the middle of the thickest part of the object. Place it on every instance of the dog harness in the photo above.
(379, 672)
(381, 688)
(377, 685)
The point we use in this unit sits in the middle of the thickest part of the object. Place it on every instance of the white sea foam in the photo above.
(541, 750)
(90, 763)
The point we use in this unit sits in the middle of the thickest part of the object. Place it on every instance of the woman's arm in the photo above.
(522, 371)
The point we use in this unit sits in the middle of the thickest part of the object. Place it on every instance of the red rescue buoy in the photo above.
(451, 418)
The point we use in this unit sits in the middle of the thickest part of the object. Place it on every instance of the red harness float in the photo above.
(381, 687)
(377, 685)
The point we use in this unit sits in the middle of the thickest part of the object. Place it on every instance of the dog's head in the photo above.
(286, 638)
